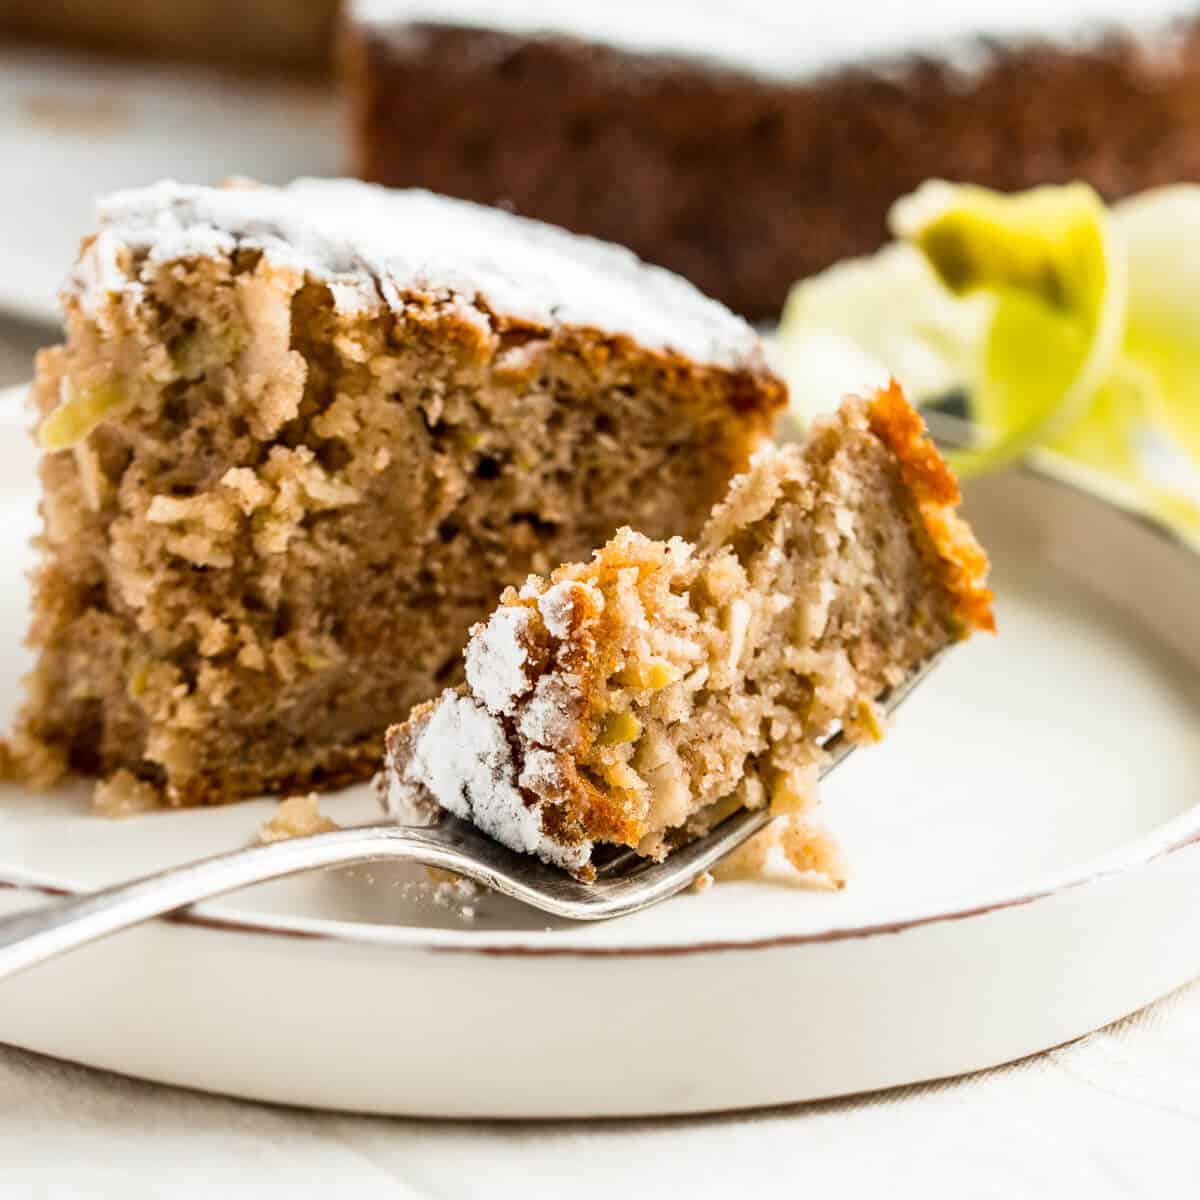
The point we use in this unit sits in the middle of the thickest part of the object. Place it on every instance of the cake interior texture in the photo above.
(745, 181)
(640, 697)
(271, 519)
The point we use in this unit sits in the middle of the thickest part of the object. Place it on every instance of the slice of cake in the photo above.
(298, 441)
(750, 143)
(641, 696)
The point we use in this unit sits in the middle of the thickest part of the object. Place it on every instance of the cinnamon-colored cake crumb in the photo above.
(299, 440)
(643, 696)
(806, 846)
(123, 794)
(297, 816)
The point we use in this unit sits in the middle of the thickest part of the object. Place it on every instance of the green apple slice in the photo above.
(1075, 332)
(865, 320)
(1052, 264)
(1159, 230)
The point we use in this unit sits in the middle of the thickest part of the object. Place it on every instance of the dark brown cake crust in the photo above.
(745, 184)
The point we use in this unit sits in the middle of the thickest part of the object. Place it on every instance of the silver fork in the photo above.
(624, 882)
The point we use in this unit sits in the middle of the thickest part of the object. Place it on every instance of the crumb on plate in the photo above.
(297, 816)
(123, 794)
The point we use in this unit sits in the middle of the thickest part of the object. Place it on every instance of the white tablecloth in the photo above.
(1114, 1115)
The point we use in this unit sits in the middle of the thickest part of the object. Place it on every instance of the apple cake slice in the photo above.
(298, 441)
(639, 697)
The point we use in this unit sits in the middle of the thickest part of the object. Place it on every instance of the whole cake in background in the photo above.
(744, 144)
(747, 145)
(298, 440)
(640, 698)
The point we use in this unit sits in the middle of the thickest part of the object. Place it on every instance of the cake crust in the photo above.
(959, 559)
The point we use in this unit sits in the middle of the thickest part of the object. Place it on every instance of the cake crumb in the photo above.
(455, 892)
(444, 889)
(749, 860)
(452, 892)
(123, 794)
(811, 849)
(701, 883)
(808, 848)
(27, 759)
(297, 816)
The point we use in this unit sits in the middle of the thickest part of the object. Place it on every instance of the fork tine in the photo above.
(617, 862)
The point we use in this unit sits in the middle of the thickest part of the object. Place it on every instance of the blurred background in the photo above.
(745, 145)
(752, 147)
(96, 96)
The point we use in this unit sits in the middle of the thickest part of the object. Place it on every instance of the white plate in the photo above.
(1026, 867)
(74, 126)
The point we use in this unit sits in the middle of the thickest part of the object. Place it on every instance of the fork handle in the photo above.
(31, 937)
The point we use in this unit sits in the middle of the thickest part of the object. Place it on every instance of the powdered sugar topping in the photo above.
(557, 605)
(462, 757)
(541, 773)
(785, 39)
(376, 248)
(496, 658)
(551, 715)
